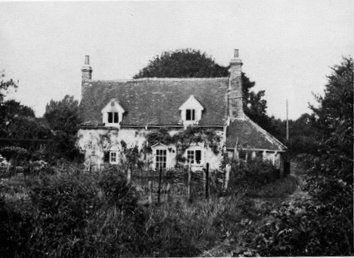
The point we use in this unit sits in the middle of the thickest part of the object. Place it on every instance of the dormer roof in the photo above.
(191, 102)
(113, 106)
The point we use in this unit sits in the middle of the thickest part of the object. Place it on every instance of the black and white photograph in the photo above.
(176, 128)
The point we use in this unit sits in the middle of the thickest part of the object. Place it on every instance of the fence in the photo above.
(162, 186)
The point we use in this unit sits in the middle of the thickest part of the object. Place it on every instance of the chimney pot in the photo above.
(236, 53)
(87, 60)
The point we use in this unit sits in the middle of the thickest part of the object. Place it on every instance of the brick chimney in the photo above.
(86, 74)
(235, 88)
(86, 69)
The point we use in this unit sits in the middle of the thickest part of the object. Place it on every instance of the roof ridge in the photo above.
(163, 79)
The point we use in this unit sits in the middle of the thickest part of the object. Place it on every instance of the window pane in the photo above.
(188, 114)
(161, 156)
(110, 117)
(113, 156)
(193, 114)
(115, 120)
(198, 156)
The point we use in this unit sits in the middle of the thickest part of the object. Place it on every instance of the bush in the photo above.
(62, 204)
(252, 174)
(15, 229)
(316, 226)
(17, 154)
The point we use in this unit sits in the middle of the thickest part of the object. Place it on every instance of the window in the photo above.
(161, 157)
(190, 114)
(113, 117)
(194, 156)
(242, 155)
(113, 157)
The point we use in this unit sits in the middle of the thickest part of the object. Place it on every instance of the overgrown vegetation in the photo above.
(74, 213)
(184, 139)
(322, 224)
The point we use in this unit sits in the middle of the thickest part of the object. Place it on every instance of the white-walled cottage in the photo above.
(167, 121)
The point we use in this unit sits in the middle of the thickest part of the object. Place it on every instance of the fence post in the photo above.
(207, 181)
(168, 189)
(189, 193)
(150, 192)
(227, 175)
(129, 176)
(159, 189)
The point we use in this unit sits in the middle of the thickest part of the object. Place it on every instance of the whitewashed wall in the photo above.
(94, 142)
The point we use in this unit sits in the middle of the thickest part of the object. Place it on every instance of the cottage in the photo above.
(167, 121)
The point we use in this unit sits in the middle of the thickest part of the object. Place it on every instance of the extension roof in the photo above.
(156, 102)
(246, 134)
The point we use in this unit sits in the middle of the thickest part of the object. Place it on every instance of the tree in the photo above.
(5, 85)
(322, 224)
(63, 118)
(193, 63)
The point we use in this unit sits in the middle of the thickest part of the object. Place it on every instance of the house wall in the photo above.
(94, 142)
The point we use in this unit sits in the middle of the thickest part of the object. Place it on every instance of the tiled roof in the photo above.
(248, 135)
(156, 101)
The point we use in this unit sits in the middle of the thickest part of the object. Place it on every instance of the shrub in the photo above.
(15, 229)
(18, 154)
(252, 174)
(62, 204)
(114, 185)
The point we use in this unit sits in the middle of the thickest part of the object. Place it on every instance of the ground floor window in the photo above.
(242, 154)
(113, 157)
(194, 156)
(161, 158)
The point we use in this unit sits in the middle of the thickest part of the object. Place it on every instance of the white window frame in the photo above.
(160, 153)
(115, 155)
(195, 108)
(113, 107)
(115, 118)
(192, 114)
(191, 156)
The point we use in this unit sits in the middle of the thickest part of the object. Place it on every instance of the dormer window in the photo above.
(191, 111)
(113, 118)
(112, 113)
(190, 114)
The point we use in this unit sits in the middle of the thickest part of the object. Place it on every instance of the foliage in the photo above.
(184, 139)
(182, 63)
(117, 191)
(322, 224)
(17, 154)
(18, 122)
(15, 229)
(63, 118)
(252, 174)
(276, 189)
(5, 85)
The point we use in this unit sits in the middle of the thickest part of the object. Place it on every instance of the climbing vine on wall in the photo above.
(185, 138)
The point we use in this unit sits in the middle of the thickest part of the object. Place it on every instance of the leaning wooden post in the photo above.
(159, 188)
(207, 181)
(129, 176)
(150, 192)
(189, 193)
(227, 176)
(168, 189)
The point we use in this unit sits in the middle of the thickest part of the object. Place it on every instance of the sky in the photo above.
(287, 47)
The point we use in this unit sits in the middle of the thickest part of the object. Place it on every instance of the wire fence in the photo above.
(171, 185)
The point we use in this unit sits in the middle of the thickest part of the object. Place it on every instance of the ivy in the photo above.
(184, 139)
